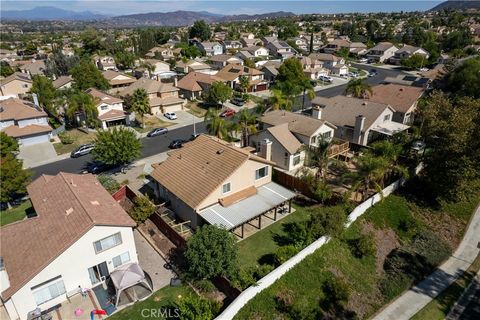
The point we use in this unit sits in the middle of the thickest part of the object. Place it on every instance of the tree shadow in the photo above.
(268, 258)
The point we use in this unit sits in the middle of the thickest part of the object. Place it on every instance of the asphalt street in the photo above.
(155, 145)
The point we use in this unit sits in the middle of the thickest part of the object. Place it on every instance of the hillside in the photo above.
(49, 13)
(457, 5)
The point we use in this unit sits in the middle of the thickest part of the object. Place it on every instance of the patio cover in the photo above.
(390, 128)
(267, 197)
(126, 276)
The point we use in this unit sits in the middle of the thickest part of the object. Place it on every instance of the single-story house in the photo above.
(63, 82)
(78, 237)
(195, 83)
(248, 42)
(192, 66)
(157, 67)
(221, 60)
(211, 181)
(110, 109)
(34, 68)
(356, 120)
(256, 51)
(15, 85)
(24, 121)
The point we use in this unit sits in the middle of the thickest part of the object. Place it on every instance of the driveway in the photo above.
(183, 119)
(37, 154)
(152, 263)
(420, 295)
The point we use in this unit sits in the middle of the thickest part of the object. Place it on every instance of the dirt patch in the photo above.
(385, 241)
(161, 241)
(363, 304)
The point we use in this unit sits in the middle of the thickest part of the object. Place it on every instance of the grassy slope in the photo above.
(16, 213)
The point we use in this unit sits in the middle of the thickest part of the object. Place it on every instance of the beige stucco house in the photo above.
(15, 85)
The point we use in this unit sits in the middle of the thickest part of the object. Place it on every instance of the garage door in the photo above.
(261, 87)
(173, 108)
(34, 140)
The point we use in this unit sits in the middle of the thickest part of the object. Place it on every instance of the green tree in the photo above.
(193, 307)
(8, 144)
(292, 81)
(45, 91)
(416, 61)
(317, 157)
(91, 41)
(465, 79)
(142, 210)
(249, 63)
(327, 221)
(358, 88)
(124, 60)
(86, 75)
(248, 124)
(116, 146)
(59, 64)
(211, 252)
(216, 125)
(82, 103)
(372, 27)
(244, 83)
(218, 93)
(13, 178)
(30, 49)
(140, 103)
(5, 69)
(200, 30)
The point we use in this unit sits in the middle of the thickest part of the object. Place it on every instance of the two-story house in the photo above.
(231, 75)
(110, 109)
(356, 120)
(79, 236)
(335, 64)
(221, 60)
(381, 52)
(406, 52)
(257, 51)
(210, 48)
(15, 85)
(281, 49)
(301, 43)
(248, 42)
(163, 97)
(313, 68)
(192, 66)
(211, 181)
(157, 68)
(117, 80)
(34, 68)
(195, 83)
(24, 121)
(105, 62)
(164, 53)
(231, 45)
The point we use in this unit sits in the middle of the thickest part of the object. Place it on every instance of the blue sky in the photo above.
(115, 7)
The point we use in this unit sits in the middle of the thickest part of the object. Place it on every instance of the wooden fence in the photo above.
(168, 231)
(291, 182)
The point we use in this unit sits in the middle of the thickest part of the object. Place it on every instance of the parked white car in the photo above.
(325, 78)
(363, 60)
(170, 115)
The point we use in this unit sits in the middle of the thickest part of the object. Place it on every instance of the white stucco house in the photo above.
(24, 121)
(78, 237)
(382, 52)
(110, 109)
(210, 48)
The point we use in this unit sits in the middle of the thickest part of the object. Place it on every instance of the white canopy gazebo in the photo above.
(127, 276)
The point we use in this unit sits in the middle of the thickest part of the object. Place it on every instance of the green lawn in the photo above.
(16, 213)
(79, 139)
(152, 122)
(163, 298)
(439, 307)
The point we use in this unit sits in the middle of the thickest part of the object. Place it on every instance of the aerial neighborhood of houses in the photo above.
(174, 167)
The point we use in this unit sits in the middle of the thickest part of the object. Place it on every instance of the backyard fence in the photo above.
(249, 293)
(168, 231)
(292, 183)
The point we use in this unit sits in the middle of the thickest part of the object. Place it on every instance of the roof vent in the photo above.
(68, 211)
(401, 89)
(73, 184)
(95, 203)
(220, 151)
(364, 103)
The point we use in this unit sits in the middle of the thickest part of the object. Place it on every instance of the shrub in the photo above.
(143, 209)
(65, 138)
(284, 299)
(205, 286)
(110, 184)
(284, 253)
(327, 221)
(243, 279)
(431, 247)
(391, 285)
(196, 308)
(298, 234)
(363, 246)
(336, 292)
(262, 270)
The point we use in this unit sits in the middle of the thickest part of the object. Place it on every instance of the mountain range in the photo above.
(457, 5)
(49, 13)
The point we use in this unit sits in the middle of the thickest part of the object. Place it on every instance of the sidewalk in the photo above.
(419, 296)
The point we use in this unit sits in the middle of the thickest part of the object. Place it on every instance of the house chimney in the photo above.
(317, 112)
(266, 149)
(175, 81)
(4, 280)
(358, 130)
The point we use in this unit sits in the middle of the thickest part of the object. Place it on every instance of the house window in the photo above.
(261, 173)
(386, 118)
(48, 290)
(296, 159)
(226, 188)
(327, 135)
(121, 259)
(107, 243)
(24, 85)
(314, 139)
(104, 107)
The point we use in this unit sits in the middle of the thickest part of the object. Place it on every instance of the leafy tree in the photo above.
(211, 252)
(284, 253)
(91, 41)
(390, 152)
(327, 221)
(317, 157)
(13, 178)
(193, 307)
(140, 103)
(116, 146)
(124, 60)
(86, 75)
(5, 69)
(248, 124)
(288, 30)
(465, 79)
(372, 27)
(82, 103)
(416, 61)
(358, 88)
(218, 93)
(200, 30)
(7, 144)
(249, 63)
(142, 210)
(45, 91)
(109, 183)
(337, 292)
(59, 64)
(216, 125)
(292, 81)
(190, 52)
(457, 39)
(244, 83)
(30, 49)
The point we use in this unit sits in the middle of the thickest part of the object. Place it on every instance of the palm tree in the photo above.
(140, 103)
(369, 174)
(82, 102)
(244, 83)
(216, 125)
(307, 89)
(390, 152)
(248, 124)
(358, 88)
(318, 157)
(279, 101)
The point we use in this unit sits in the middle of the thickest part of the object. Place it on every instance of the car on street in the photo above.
(157, 132)
(176, 144)
(227, 113)
(363, 60)
(170, 115)
(82, 150)
(325, 79)
(237, 101)
(353, 74)
(96, 167)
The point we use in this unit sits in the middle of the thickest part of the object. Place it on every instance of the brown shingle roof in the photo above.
(297, 123)
(67, 205)
(110, 75)
(17, 109)
(232, 71)
(283, 135)
(31, 129)
(16, 76)
(196, 170)
(193, 81)
(101, 97)
(112, 114)
(151, 86)
(61, 81)
(401, 98)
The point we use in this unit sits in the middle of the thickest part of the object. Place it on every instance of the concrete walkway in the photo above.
(420, 295)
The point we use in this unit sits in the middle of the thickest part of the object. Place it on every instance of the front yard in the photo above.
(196, 109)
(16, 213)
(151, 122)
(78, 137)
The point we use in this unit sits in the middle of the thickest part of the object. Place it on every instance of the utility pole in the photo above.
(194, 131)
